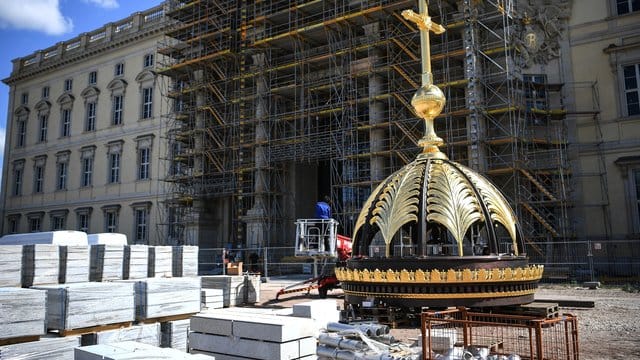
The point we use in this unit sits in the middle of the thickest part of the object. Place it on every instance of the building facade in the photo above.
(84, 134)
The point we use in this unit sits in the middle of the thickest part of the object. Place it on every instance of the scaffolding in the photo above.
(259, 85)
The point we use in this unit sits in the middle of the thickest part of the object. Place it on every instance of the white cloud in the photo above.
(107, 4)
(38, 15)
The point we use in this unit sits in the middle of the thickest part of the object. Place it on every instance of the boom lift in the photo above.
(318, 238)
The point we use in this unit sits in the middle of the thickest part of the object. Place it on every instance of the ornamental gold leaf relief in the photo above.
(498, 207)
(365, 210)
(451, 202)
(398, 203)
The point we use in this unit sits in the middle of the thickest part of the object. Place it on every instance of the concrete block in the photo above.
(326, 310)
(258, 326)
(267, 350)
(128, 350)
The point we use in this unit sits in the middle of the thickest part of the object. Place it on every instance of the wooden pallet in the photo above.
(165, 318)
(542, 309)
(92, 329)
(18, 340)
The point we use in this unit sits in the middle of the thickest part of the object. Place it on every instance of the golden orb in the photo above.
(428, 101)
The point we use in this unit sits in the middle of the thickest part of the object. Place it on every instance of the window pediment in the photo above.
(66, 99)
(90, 91)
(22, 111)
(43, 106)
(146, 75)
(117, 85)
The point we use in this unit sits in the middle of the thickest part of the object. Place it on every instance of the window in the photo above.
(632, 89)
(87, 155)
(119, 69)
(45, 92)
(62, 168)
(38, 173)
(141, 226)
(148, 60)
(627, 6)
(58, 220)
(114, 168)
(13, 224)
(35, 224)
(87, 172)
(83, 216)
(90, 121)
(114, 156)
(111, 214)
(65, 123)
(61, 183)
(38, 179)
(68, 85)
(21, 135)
(117, 109)
(44, 123)
(93, 78)
(25, 98)
(144, 163)
(18, 169)
(147, 102)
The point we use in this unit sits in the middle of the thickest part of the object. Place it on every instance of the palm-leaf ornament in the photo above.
(365, 210)
(498, 207)
(398, 203)
(451, 202)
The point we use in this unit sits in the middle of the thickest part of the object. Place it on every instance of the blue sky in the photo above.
(30, 25)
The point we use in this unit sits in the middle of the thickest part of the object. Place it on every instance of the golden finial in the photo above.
(428, 101)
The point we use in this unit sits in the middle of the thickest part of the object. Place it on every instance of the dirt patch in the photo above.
(610, 330)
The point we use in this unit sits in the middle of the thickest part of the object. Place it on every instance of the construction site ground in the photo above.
(610, 330)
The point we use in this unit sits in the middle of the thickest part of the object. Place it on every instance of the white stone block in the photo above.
(22, 312)
(129, 350)
(49, 348)
(249, 348)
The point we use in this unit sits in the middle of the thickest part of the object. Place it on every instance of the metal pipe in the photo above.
(333, 353)
(340, 342)
(367, 329)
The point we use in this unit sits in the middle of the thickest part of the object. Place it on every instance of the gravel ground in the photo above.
(610, 330)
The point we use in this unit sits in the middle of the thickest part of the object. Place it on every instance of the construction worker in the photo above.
(323, 208)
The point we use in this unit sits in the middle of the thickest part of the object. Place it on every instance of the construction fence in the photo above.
(607, 261)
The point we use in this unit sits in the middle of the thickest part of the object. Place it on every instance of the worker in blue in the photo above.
(323, 208)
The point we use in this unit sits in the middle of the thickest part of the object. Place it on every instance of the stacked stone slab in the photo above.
(143, 333)
(10, 265)
(82, 305)
(224, 333)
(175, 334)
(132, 350)
(160, 261)
(162, 297)
(212, 298)
(136, 262)
(22, 313)
(185, 261)
(49, 348)
(74, 264)
(320, 311)
(40, 264)
(237, 289)
(106, 262)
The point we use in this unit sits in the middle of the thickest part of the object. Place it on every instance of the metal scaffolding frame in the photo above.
(257, 86)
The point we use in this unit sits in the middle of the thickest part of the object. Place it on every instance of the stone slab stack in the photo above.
(143, 333)
(228, 334)
(160, 261)
(48, 348)
(74, 264)
(185, 261)
(136, 262)
(237, 289)
(175, 334)
(212, 298)
(40, 264)
(106, 262)
(162, 297)
(82, 305)
(320, 311)
(10, 265)
(22, 313)
(132, 350)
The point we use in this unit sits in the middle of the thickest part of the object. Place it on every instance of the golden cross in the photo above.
(424, 23)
